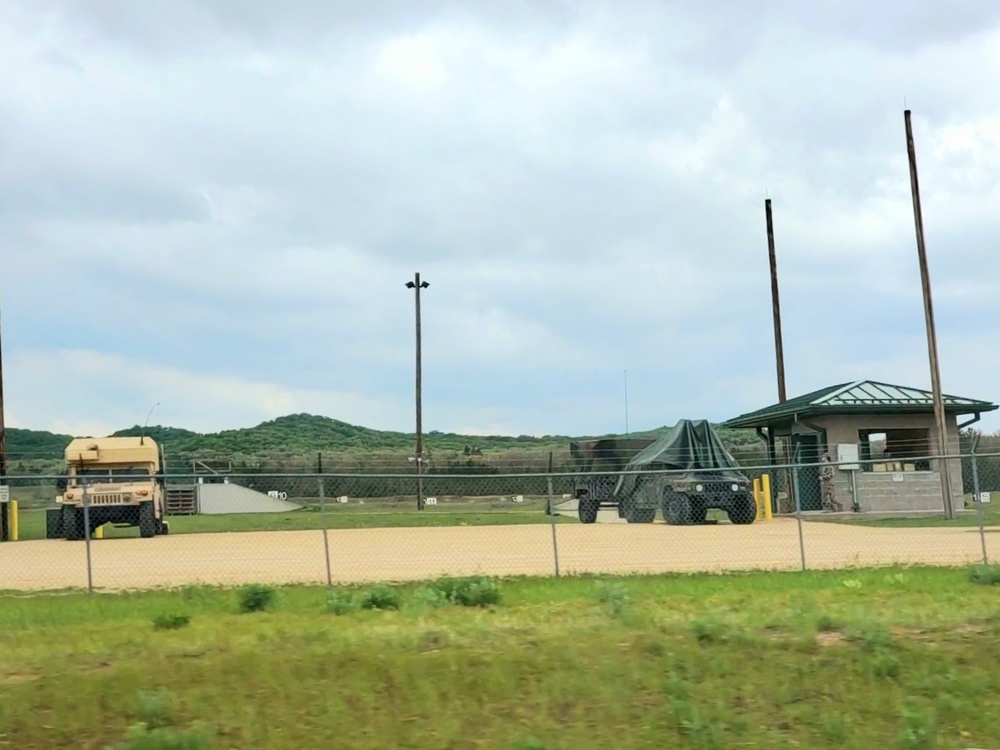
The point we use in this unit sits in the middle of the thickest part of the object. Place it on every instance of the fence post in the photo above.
(798, 503)
(765, 489)
(977, 498)
(552, 517)
(326, 540)
(86, 535)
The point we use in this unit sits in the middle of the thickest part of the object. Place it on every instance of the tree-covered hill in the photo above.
(301, 437)
(299, 441)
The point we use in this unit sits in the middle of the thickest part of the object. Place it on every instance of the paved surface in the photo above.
(400, 554)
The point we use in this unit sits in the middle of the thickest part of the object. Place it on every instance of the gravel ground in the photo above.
(414, 553)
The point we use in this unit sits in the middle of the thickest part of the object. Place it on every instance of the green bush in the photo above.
(256, 598)
(341, 603)
(141, 737)
(473, 591)
(428, 596)
(984, 575)
(154, 708)
(380, 597)
(173, 621)
(615, 595)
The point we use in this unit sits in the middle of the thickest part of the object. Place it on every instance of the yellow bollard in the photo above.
(757, 497)
(12, 518)
(765, 486)
(99, 532)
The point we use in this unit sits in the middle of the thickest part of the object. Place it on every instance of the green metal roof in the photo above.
(858, 397)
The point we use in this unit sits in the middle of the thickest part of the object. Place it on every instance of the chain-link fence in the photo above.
(119, 532)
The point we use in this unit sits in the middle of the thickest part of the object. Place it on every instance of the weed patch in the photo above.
(342, 603)
(985, 575)
(615, 596)
(379, 597)
(141, 737)
(173, 621)
(473, 591)
(154, 708)
(870, 637)
(256, 598)
(919, 730)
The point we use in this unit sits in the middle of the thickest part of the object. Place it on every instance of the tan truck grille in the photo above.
(108, 498)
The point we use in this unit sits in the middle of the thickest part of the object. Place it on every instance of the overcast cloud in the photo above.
(215, 205)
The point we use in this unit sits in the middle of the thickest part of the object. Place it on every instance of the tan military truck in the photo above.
(123, 481)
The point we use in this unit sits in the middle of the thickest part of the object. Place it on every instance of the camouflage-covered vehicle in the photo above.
(594, 458)
(684, 474)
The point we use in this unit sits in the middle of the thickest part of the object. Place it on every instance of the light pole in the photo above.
(416, 285)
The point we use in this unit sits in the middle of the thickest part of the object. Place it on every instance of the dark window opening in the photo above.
(884, 450)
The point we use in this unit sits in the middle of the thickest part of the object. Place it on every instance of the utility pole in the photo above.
(779, 349)
(416, 285)
(925, 282)
(626, 402)
(4, 513)
(779, 354)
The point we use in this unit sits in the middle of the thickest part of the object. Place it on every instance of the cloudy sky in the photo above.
(214, 205)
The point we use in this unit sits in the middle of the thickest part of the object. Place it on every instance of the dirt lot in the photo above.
(400, 554)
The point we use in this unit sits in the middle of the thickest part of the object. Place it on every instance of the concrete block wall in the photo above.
(877, 491)
(918, 490)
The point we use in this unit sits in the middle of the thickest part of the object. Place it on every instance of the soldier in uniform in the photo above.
(826, 484)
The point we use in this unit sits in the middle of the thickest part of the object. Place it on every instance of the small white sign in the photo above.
(984, 497)
(431, 501)
(897, 476)
(342, 499)
(518, 498)
(4, 493)
(278, 495)
(847, 457)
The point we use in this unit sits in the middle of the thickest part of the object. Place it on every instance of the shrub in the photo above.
(428, 596)
(380, 597)
(870, 636)
(708, 631)
(919, 730)
(341, 603)
(141, 737)
(256, 598)
(173, 621)
(828, 624)
(985, 575)
(474, 591)
(533, 743)
(154, 708)
(615, 595)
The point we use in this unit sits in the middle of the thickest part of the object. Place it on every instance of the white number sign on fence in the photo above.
(431, 501)
(278, 495)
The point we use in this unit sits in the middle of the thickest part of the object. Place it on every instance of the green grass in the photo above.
(376, 515)
(893, 658)
(966, 517)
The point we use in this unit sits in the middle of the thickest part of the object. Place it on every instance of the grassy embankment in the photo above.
(373, 514)
(967, 516)
(893, 658)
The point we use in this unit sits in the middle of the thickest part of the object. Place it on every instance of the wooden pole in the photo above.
(779, 349)
(925, 283)
(4, 507)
